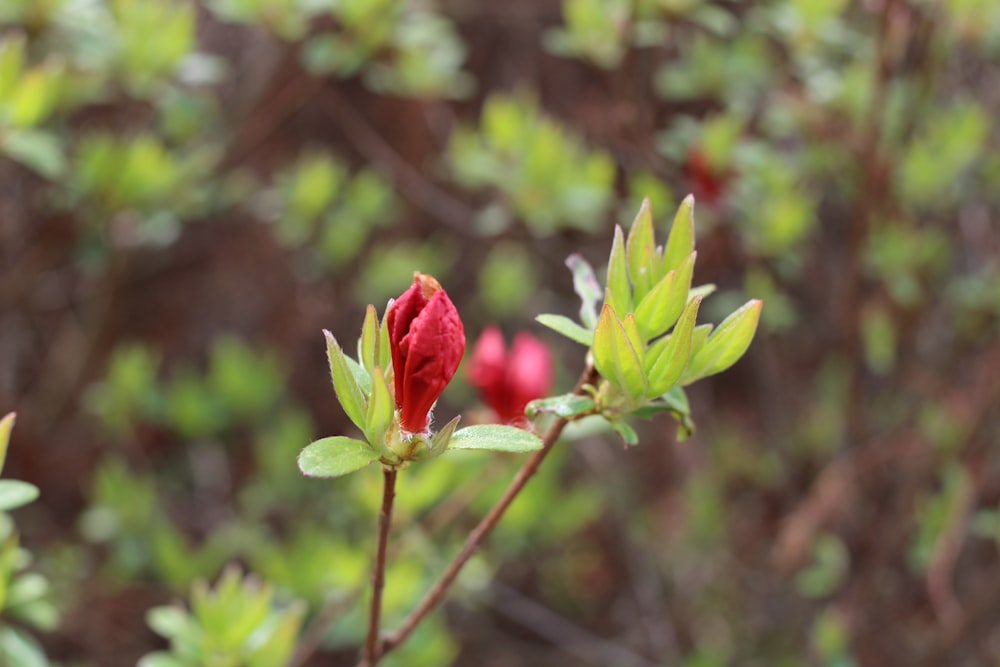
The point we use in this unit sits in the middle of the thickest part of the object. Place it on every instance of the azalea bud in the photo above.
(427, 341)
(508, 381)
(707, 181)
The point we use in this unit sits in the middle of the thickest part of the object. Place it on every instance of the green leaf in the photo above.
(676, 403)
(277, 637)
(20, 649)
(39, 151)
(6, 426)
(15, 493)
(345, 384)
(666, 361)
(617, 350)
(336, 456)
(495, 437)
(680, 243)
(11, 63)
(699, 337)
(381, 408)
(627, 433)
(665, 303)
(701, 290)
(726, 344)
(677, 399)
(361, 376)
(585, 284)
(368, 344)
(161, 659)
(618, 293)
(439, 443)
(567, 327)
(384, 354)
(566, 406)
(170, 622)
(640, 250)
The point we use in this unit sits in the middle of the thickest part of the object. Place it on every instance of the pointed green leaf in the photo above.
(585, 284)
(665, 303)
(676, 403)
(567, 327)
(6, 425)
(616, 356)
(701, 290)
(699, 337)
(383, 352)
(361, 376)
(726, 344)
(368, 343)
(666, 361)
(495, 437)
(381, 409)
(618, 293)
(439, 443)
(627, 433)
(640, 250)
(566, 406)
(680, 243)
(650, 313)
(15, 493)
(345, 384)
(336, 456)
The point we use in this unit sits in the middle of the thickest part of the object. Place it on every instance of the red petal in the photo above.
(431, 350)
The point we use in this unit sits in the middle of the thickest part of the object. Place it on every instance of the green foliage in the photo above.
(594, 30)
(24, 595)
(546, 176)
(399, 47)
(235, 623)
(649, 293)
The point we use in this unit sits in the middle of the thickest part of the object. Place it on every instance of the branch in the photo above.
(479, 534)
(372, 651)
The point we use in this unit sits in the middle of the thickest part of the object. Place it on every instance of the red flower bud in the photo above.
(509, 381)
(707, 181)
(427, 341)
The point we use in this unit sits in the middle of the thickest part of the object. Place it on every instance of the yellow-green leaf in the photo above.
(640, 250)
(726, 344)
(618, 293)
(667, 359)
(680, 243)
(6, 425)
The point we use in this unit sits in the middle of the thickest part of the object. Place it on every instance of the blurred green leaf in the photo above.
(567, 327)
(15, 493)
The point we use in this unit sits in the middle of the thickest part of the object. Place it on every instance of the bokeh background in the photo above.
(191, 190)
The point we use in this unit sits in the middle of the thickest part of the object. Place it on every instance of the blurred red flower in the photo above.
(708, 183)
(427, 341)
(509, 380)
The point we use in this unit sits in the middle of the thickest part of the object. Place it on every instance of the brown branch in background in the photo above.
(569, 637)
(372, 650)
(313, 636)
(472, 543)
(433, 201)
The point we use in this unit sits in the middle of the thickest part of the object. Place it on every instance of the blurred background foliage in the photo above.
(192, 190)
